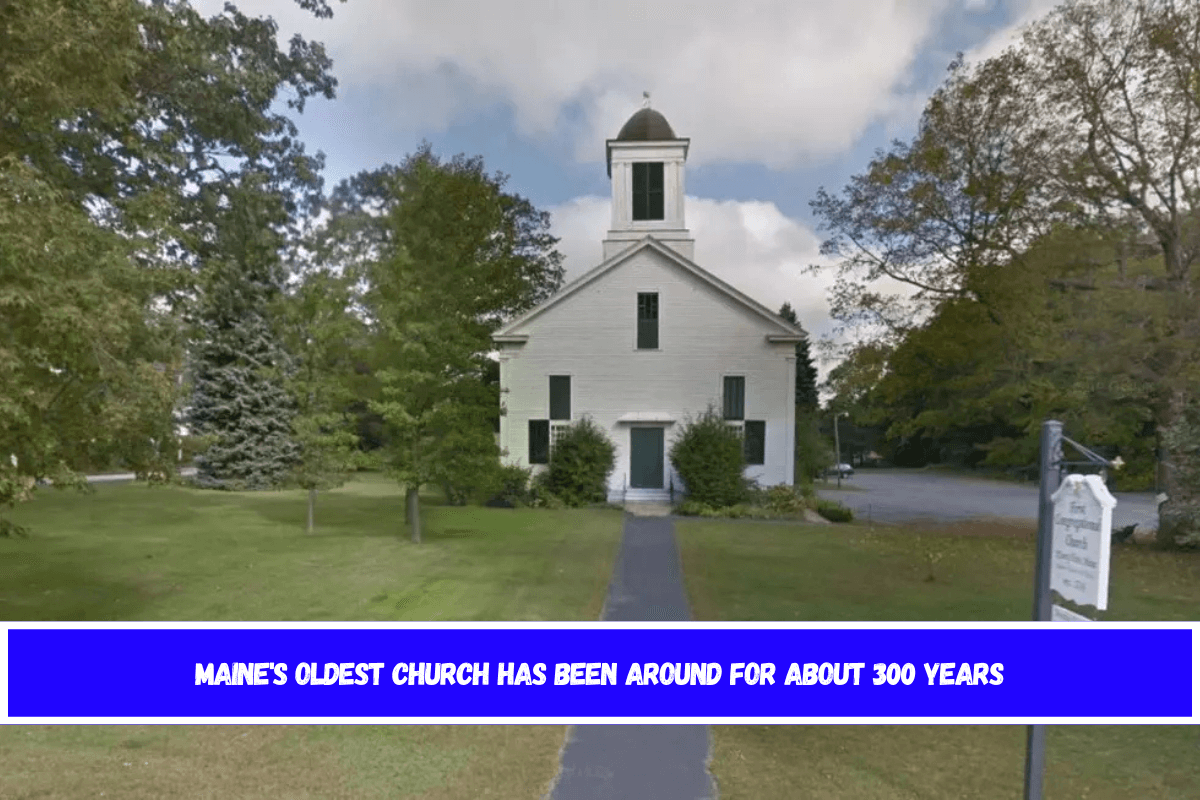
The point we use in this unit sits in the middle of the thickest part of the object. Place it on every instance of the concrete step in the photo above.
(647, 496)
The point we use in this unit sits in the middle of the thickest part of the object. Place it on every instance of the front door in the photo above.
(646, 458)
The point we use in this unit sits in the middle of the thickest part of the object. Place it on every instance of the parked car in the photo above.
(845, 470)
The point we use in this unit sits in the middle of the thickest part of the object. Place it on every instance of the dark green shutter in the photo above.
(641, 179)
(539, 441)
(560, 397)
(647, 321)
(735, 397)
(648, 194)
(755, 440)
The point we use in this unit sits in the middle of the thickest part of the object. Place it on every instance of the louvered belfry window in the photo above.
(647, 321)
(648, 191)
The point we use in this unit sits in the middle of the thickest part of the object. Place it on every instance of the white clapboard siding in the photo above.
(705, 333)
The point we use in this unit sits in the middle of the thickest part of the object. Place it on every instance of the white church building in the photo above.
(647, 338)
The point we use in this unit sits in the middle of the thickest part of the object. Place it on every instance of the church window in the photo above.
(647, 320)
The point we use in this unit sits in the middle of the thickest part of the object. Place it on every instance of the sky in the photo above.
(778, 97)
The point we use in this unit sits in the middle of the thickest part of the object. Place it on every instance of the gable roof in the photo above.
(786, 331)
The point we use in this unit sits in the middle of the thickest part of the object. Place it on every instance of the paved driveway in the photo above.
(911, 495)
(126, 477)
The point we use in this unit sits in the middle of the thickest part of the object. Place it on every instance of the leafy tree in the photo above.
(320, 336)
(120, 122)
(85, 366)
(1120, 79)
(813, 452)
(929, 219)
(437, 412)
(446, 255)
(495, 245)
(144, 114)
(1079, 141)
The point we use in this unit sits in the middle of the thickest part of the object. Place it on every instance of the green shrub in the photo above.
(747, 511)
(783, 499)
(708, 456)
(813, 453)
(834, 511)
(510, 487)
(693, 508)
(540, 495)
(454, 494)
(580, 463)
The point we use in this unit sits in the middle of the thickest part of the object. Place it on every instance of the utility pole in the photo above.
(837, 447)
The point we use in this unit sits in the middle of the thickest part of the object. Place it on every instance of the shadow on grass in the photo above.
(335, 514)
(67, 587)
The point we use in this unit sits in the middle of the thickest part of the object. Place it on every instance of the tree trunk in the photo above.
(312, 502)
(1179, 514)
(412, 504)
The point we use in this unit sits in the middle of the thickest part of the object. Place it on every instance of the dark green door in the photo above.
(646, 458)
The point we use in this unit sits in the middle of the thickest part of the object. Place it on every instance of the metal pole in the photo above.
(1048, 480)
(837, 446)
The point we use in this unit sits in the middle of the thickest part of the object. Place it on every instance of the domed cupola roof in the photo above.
(647, 125)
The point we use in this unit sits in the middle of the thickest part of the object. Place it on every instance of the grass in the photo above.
(849, 573)
(172, 553)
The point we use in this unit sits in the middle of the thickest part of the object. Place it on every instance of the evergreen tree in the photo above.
(240, 402)
(806, 372)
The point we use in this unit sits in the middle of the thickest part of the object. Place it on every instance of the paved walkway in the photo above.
(640, 762)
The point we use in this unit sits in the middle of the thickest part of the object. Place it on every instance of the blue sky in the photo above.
(779, 98)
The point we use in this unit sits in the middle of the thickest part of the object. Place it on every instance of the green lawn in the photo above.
(137, 553)
(739, 571)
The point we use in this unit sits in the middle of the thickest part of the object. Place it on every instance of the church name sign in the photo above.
(1082, 540)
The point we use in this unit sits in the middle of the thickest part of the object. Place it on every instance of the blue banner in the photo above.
(599, 672)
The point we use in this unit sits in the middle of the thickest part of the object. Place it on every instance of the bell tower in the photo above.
(645, 164)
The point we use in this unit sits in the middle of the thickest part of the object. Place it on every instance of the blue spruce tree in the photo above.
(239, 401)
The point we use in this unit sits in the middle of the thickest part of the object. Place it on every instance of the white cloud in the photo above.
(753, 246)
(1027, 11)
(776, 82)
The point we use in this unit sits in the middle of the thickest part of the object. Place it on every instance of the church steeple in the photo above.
(645, 163)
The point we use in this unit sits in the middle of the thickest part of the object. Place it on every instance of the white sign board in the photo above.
(1060, 614)
(1082, 540)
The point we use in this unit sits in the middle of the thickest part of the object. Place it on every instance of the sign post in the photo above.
(1050, 454)
(1073, 549)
